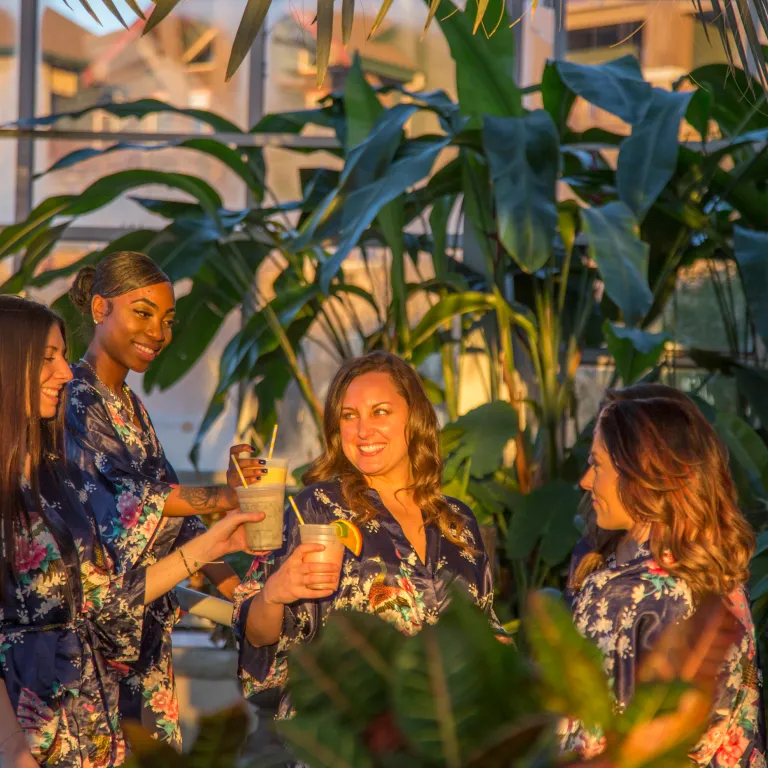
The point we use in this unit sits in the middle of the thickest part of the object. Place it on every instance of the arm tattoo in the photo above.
(202, 499)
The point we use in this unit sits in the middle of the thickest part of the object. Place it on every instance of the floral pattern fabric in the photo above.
(388, 579)
(68, 627)
(133, 480)
(625, 608)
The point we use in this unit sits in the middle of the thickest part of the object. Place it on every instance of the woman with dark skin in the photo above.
(68, 622)
(144, 513)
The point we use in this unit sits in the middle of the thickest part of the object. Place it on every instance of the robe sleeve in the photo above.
(267, 666)
(130, 509)
(624, 615)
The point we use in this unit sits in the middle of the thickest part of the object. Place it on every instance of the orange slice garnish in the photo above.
(350, 535)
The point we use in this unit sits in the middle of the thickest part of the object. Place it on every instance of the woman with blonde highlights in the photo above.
(669, 531)
(381, 470)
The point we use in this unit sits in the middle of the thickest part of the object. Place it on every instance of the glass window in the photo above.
(9, 103)
(124, 212)
(183, 61)
(394, 56)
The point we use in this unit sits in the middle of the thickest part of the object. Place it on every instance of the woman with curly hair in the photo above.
(670, 532)
(381, 469)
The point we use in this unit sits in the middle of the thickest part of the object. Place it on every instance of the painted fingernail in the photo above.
(262, 461)
(264, 471)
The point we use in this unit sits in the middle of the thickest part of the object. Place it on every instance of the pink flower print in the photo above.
(591, 746)
(656, 570)
(129, 507)
(147, 528)
(30, 554)
(164, 702)
(733, 747)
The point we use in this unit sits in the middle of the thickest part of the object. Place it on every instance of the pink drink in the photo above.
(333, 552)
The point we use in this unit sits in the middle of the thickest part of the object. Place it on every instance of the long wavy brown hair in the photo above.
(421, 438)
(24, 328)
(673, 476)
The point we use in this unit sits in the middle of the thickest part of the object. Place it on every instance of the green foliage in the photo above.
(634, 351)
(543, 521)
(366, 696)
(540, 278)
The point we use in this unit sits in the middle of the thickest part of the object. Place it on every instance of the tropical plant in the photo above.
(454, 696)
(539, 278)
(739, 24)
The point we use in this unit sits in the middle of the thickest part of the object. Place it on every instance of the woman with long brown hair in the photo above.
(380, 470)
(664, 503)
(68, 622)
(143, 511)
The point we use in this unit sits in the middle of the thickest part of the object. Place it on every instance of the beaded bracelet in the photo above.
(186, 564)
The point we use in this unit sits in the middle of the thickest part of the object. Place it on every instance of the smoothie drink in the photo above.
(266, 496)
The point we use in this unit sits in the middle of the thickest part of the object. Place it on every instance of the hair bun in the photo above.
(81, 291)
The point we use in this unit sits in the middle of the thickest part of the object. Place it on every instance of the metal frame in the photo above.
(28, 58)
(29, 55)
(25, 157)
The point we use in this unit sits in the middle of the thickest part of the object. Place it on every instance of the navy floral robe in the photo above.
(68, 627)
(133, 479)
(625, 608)
(387, 579)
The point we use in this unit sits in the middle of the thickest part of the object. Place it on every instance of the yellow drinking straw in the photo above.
(239, 471)
(272, 444)
(296, 510)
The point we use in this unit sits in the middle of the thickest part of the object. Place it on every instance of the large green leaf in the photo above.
(361, 207)
(324, 741)
(485, 66)
(746, 448)
(242, 352)
(16, 236)
(253, 17)
(633, 350)
(570, 665)
(37, 250)
(230, 157)
(200, 313)
(483, 433)
(362, 107)
(621, 257)
(100, 193)
(446, 309)
(648, 158)
(324, 37)
(557, 98)
(78, 329)
(479, 245)
(138, 109)
(750, 249)
(523, 155)
(220, 739)
(452, 685)
(366, 163)
(162, 9)
(544, 517)
(616, 86)
(348, 671)
(733, 97)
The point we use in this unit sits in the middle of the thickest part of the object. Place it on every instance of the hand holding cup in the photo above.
(253, 469)
(301, 578)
